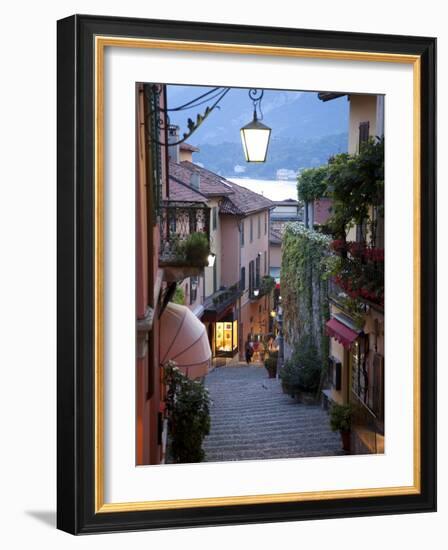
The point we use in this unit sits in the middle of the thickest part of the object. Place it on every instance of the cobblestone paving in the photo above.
(251, 418)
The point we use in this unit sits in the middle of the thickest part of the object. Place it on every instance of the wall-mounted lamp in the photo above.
(211, 259)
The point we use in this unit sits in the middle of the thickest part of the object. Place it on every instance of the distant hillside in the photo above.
(285, 154)
(305, 130)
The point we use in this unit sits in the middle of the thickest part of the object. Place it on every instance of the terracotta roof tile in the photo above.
(181, 192)
(237, 200)
(247, 201)
(187, 147)
(211, 184)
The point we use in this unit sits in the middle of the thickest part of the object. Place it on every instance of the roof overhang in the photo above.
(328, 96)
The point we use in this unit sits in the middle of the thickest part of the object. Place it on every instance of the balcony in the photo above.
(218, 303)
(357, 289)
(184, 239)
(360, 275)
(266, 286)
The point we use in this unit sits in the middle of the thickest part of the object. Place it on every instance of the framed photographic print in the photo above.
(246, 274)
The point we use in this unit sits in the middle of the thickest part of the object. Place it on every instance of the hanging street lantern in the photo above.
(255, 135)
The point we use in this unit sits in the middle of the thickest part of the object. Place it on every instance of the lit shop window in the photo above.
(226, 339)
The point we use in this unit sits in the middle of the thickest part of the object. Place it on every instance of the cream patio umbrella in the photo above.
(183, 339)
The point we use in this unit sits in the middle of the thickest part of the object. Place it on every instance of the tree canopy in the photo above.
(312, 183)
(355, 183)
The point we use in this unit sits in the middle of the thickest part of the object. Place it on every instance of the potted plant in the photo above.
(196, 248)
(289, 375)
(303, 372)
(270, 364)
(188, 411)
(340, 421)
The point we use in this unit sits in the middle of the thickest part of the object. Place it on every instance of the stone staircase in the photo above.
(252, 419)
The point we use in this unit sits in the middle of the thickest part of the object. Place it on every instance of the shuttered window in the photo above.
(243, 279)
(364, 128)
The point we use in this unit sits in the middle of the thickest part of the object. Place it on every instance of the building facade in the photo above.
(284, 211)
(165, 224)
(233, 297)
(149, 277)
(356, 357)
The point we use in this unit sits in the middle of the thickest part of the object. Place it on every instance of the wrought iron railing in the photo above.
(223, 297)
(335, 292)
(184, 234)
(367, 429)
(361, 271)
(267, 285)
(154, 122)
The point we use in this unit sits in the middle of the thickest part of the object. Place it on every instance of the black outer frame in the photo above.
(75, 310)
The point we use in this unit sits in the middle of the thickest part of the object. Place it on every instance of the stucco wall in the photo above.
(148, 281)
(230, 247)
(258, 245)
(337, 351)
(322, 210)
(215, 247)
(275, 252)
(362, 109)
(251, 318)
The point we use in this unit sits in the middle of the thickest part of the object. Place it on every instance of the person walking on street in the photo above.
(249, 352)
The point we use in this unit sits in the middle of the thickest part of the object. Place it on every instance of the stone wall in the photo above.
(304, 287)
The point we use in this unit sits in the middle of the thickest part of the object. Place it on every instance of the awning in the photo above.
(343, 334)
(183, 339)
(198, 311)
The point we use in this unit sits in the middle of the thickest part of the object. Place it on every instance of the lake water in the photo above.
(276, 190)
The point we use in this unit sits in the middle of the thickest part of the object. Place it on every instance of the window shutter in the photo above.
(364, 128)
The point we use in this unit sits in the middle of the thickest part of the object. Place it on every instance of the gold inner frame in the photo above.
(101, 42)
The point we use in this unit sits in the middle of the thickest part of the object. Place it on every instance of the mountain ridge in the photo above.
(305, 130)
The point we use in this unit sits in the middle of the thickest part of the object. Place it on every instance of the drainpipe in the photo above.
(280, 358)
(306, 212)
(311, 214)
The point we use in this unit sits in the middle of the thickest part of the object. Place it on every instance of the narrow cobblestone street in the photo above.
(251, 418)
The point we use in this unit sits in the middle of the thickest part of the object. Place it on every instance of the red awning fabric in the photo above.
(343, 334)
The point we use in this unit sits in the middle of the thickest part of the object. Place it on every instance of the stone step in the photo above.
(251, 419)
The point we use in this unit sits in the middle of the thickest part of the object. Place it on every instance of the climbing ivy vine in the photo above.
(304, 280)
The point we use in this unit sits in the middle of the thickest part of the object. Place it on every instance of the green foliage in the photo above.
(179, 296)
(357, 187)
(356, 183)
(196, 248)
(312, 183)
(289, 374)
(359, 278)
(355, 308)
(267, 285)
(188, 409)
(304, 284)
(271, 365)
(341, 417)
(303, 370)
